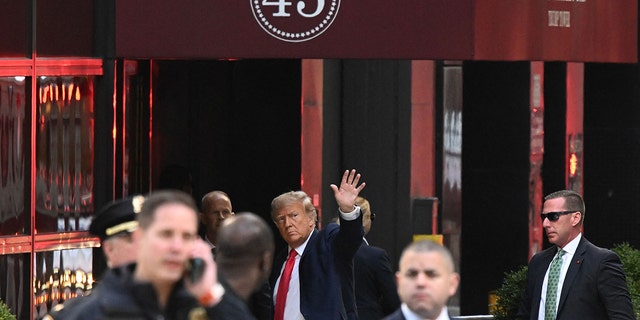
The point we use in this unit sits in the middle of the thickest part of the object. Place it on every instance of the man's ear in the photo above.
(107, 249)
(576, 218)
(454, 281)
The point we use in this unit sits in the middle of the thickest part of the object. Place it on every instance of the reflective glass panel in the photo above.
(13, 213)
(59, 276)
(64, 153)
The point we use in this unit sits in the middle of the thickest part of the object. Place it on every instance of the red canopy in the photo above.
(563, 30)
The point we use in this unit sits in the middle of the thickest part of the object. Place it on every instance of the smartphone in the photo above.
(195, 269)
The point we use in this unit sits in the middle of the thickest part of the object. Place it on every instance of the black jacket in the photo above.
(120, 297)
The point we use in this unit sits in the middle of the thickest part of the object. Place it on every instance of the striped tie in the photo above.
(552, 287)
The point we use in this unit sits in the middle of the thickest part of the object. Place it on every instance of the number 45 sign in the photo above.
(295, 21)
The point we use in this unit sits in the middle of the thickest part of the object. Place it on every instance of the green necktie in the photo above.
(552, 287)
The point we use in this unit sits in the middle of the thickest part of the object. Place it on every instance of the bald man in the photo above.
(244, 258)
(426, 280)
(216, 207)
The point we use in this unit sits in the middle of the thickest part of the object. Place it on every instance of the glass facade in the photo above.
(46, 150)
(48, 77)
(64, 153)
(13, 153)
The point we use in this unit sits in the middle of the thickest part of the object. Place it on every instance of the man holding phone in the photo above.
(161, 283)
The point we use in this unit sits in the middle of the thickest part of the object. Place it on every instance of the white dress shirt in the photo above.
(410, 315)
(570, 250)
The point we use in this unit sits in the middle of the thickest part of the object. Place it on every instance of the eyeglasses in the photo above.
(554, 216)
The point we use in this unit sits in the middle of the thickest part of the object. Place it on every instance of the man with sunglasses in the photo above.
(573, 279)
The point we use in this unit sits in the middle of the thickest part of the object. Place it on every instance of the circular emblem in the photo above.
(295, 21)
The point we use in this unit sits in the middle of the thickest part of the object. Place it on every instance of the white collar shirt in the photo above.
(410, 315)
(570, 250)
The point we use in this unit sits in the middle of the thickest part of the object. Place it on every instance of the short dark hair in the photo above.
(160, 198)
(572, 200)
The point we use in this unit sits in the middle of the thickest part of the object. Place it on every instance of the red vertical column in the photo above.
(575, 117)
(536, 154)
(422, 129)
(311, 133)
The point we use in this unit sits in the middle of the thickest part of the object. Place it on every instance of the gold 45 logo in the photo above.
(295, 21)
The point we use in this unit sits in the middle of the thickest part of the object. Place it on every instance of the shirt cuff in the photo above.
(349, 216)
(213, 296)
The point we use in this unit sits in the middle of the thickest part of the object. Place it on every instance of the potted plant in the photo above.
(508, 295)
(5, 312)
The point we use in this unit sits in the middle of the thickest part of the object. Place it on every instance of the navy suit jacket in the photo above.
(326, 253)
(594, 287)
(376, 290)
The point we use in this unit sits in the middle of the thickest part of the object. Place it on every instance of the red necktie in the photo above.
(283, 287)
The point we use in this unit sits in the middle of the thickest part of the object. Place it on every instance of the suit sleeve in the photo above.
(612, 287)
(349, 237)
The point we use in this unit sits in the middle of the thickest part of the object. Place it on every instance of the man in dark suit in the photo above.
(376, 293)
(244, 258)
(315, 257)
(426, 280)
(591, 282)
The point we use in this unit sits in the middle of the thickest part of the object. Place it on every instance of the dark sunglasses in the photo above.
(554, 216)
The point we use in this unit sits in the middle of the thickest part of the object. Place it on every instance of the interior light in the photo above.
(573, 165)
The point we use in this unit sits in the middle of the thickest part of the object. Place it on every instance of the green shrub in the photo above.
(514, 282)
(508, 295)
(5, 312)
(630, 258)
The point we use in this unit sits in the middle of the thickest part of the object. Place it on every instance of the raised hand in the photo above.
(348, 191)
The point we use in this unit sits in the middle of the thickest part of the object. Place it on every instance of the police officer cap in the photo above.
(116, 217)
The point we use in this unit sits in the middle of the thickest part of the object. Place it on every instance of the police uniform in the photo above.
(119, 296)
(117, 217)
